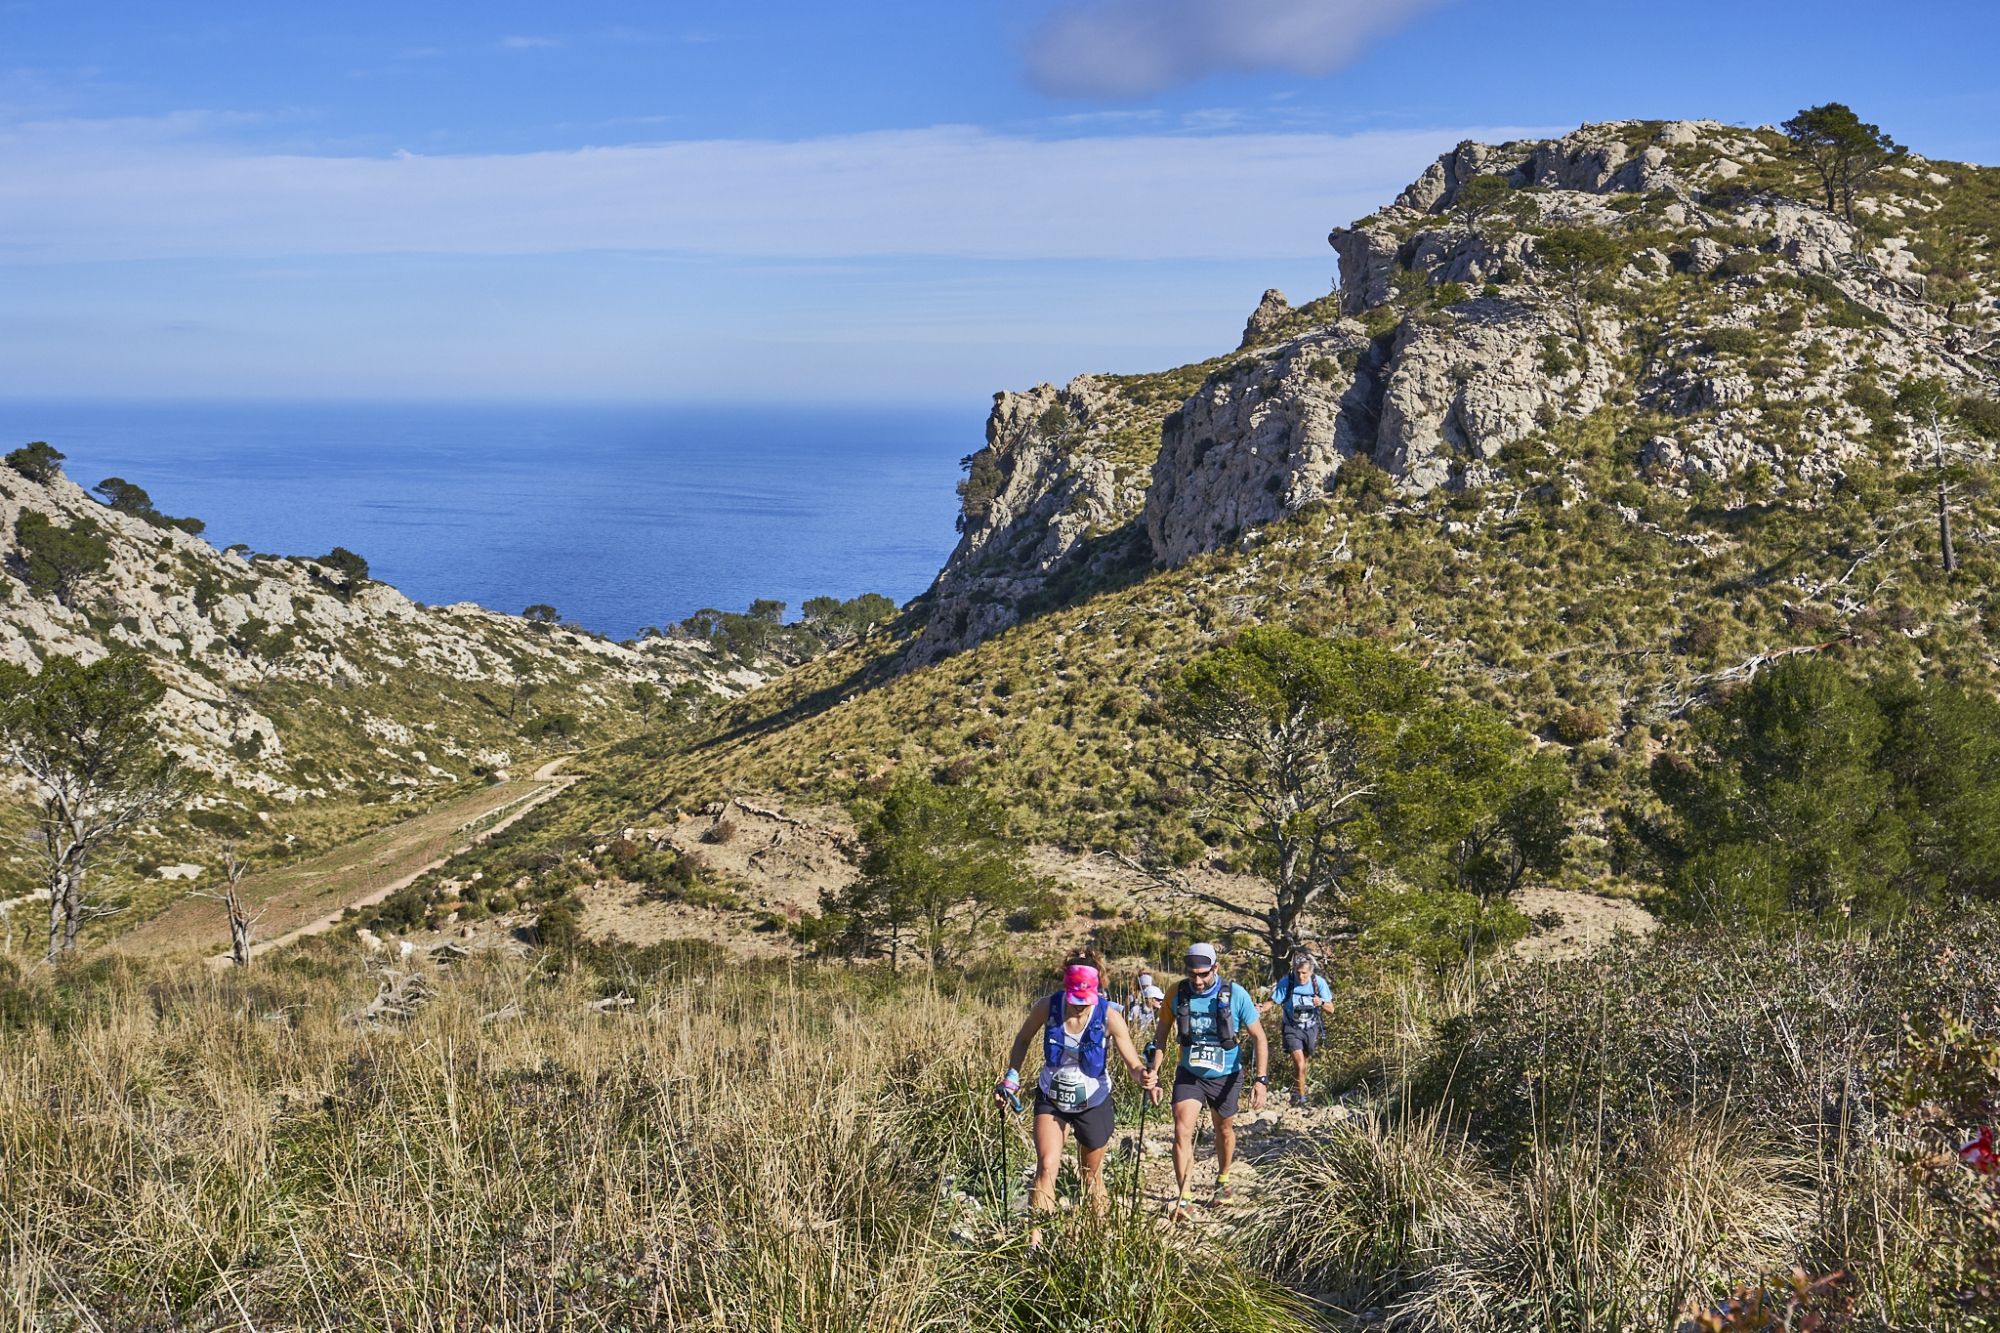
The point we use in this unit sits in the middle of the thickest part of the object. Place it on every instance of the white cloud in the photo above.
(75, 191)
(1131, 48)
(530, 43)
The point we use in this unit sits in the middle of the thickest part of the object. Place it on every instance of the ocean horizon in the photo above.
(619, 516)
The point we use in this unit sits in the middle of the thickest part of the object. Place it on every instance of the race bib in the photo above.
(1205, 1057)
(1069, 1090)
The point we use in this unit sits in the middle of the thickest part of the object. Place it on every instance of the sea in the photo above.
(620, 517)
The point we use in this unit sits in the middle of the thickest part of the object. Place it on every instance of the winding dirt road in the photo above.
(313, 896)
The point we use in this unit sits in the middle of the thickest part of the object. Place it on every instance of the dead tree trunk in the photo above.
(241, 923)
(1944, 508)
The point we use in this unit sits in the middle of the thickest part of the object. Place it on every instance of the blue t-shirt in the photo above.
(1201, 1056)
(1300, 1003)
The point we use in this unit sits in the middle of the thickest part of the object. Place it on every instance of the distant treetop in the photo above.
(37, 461)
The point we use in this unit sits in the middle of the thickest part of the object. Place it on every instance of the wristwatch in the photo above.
(1263, 1078)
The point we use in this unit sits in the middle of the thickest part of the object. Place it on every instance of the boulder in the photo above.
(1271, 312)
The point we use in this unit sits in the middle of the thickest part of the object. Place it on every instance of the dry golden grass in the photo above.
(777, 1150)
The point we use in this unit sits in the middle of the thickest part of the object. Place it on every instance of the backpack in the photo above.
(1089, 1046)
(1225, 1013)
(1311, 1017)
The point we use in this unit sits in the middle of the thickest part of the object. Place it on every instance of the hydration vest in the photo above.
(1225, 1013)
(1089, 1045)
(1306, 1021)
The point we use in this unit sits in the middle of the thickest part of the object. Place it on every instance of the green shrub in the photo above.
(1778, 1031)
(1433, 929)
(1731, 341)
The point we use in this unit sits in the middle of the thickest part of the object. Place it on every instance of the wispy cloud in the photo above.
(1131, 48)
(525, 43)
(154, 190)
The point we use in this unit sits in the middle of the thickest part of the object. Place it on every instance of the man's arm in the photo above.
(1263, 1060)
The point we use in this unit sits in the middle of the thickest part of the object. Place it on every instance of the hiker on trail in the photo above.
(1302, 998)
(1078, 1025)
(1212, 1018)
(1142, 1011)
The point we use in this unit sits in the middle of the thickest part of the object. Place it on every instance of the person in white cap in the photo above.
(1301, 999)
(1142, 1011)
(1212, 1019)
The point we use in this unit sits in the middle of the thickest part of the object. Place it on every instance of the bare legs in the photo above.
(1187, 1115)
(1049, 1135)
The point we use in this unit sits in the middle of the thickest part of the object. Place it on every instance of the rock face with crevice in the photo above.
(1039, 500)
(1741, 323)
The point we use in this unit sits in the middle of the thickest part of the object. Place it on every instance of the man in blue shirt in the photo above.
(1211, 1019)
(1302, 998)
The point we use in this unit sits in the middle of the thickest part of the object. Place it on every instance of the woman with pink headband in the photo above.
(1078, 1024)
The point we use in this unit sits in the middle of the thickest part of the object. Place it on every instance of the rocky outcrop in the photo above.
(1267, 319)
(1805, 307)
(1459, 390)
(250, 647)
(1045, 487)
(1457, 334)
(1255, 443)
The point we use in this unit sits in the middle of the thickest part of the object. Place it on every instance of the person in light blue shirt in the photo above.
(1212, 1018)
(1302, 998)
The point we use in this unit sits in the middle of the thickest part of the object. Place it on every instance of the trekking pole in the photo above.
(1006, 1190)
(1006, 1171)
(1139, 1152)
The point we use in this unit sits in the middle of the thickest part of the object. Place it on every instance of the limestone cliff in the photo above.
(1056, 490)
(1735, 328)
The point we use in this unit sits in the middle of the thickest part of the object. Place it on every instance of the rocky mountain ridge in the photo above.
(1741, 329)
(292, 683)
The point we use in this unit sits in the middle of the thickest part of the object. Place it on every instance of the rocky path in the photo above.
(1264, 1139)
(304, 899)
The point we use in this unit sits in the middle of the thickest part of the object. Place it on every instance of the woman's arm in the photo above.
(1036, 1021)
(1007, 1090)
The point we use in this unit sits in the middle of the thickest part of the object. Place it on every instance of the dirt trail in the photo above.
(312, 896)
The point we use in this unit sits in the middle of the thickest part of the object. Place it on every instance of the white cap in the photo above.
(1153, 993)
(1202, 952)
(1145, 980)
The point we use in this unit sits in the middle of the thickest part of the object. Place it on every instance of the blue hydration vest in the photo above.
(1089, 1046)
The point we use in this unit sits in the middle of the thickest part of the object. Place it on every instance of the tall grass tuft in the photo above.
(768, 1150)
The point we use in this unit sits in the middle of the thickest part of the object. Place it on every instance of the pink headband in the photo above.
(1080, 984)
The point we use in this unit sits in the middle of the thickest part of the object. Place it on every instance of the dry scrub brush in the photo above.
(769, 1150)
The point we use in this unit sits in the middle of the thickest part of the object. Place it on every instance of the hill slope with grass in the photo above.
(313, 702)
(1595, 428)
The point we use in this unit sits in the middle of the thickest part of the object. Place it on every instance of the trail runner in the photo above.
(1302, 998)
(1211, 1019)
(1077, 1025)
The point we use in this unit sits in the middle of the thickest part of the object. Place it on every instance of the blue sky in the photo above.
(879, 201)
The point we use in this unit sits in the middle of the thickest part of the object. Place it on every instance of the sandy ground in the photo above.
(780, 861)
(1587, 920)
(312, 896)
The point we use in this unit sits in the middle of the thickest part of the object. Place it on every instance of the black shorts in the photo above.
(1298, 1039)
(1092, 1124)
(1217, 1094)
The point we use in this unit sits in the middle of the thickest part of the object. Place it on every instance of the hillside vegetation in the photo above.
(1596, 502)
(1623, 525)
